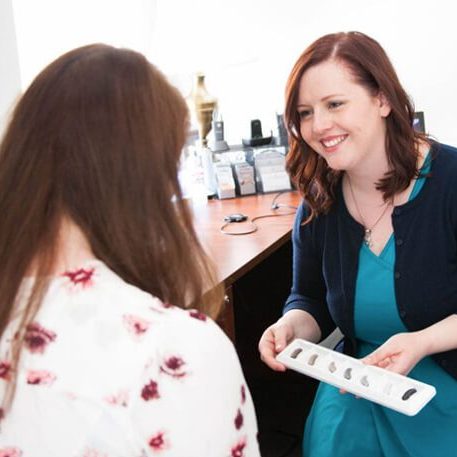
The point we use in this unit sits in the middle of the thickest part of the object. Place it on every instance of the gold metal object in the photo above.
(202, 104)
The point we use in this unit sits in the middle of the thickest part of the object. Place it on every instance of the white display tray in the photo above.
(395, 391)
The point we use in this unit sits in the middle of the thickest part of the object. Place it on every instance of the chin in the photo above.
(335, 164)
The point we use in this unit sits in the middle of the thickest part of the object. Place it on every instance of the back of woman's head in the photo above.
(371, 68)
(97, 138)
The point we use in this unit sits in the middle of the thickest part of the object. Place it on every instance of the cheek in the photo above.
(305, 131)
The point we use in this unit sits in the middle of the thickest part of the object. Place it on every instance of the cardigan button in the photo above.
(397, 275)
(397, 212)
(399, 242)
(402, 313)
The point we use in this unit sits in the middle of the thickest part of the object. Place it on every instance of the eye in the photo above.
(304, 113)
(334, 105)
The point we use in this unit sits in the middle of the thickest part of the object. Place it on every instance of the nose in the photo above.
(322, 122)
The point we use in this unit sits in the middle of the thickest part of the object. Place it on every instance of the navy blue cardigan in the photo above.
(326, 253)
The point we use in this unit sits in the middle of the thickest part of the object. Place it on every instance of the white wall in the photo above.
(10, 84)
(250, 46)
(247, 47)
(48, 28)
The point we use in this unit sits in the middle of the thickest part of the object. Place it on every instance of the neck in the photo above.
(73, 249)
(364, 179)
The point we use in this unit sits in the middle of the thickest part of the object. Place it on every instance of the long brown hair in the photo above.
(372, 69)
(97, 138)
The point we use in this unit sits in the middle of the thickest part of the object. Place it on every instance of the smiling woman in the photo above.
(371, 225)
(340, 119)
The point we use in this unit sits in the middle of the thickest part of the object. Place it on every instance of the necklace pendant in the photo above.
(367, 237)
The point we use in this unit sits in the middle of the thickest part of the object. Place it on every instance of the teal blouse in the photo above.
(344, 426)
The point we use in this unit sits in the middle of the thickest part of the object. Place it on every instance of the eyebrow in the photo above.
(327, 97)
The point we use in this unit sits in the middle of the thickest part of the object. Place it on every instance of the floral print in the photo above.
(197, 315)
(93, 453)
(40, 377)
(158, 442)
(238, 449)
(81, 276)
(37, 338)
(121, 398)
(238, 420)
(174, 366)
(136, 325)
(10, 452)
(166, 381)
(5, 368)
(150, 391)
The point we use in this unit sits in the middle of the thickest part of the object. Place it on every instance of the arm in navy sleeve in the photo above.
(308, 286)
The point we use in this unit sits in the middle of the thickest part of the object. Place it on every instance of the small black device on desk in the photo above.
(237, 217)
(257, 138)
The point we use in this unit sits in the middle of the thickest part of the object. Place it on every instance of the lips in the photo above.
(332, 141)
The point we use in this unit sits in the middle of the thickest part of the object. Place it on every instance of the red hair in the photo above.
(372, 69)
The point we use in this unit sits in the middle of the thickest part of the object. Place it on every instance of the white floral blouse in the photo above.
(110, 371)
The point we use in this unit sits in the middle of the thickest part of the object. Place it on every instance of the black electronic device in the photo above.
(256, 129)
(257, 138)
(237, 217)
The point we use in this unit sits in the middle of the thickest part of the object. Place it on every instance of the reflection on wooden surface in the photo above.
(234, 255)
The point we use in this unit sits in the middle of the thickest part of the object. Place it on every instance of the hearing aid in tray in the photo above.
(400, 393)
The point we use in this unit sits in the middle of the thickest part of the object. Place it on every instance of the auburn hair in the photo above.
(97, 138)
(372, 69)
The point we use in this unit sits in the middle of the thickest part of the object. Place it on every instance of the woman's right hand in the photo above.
(274, 339)
(294, 324)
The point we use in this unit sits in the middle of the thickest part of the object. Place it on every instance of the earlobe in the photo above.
(384, 105)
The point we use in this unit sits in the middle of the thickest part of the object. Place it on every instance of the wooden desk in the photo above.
(235, 255)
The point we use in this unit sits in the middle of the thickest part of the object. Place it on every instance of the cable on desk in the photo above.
(252, 229)
(237, 218)
(275, 205)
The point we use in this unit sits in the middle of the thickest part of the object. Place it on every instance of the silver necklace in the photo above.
(367, 230)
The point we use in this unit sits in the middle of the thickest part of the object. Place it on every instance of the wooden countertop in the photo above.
(234, 255)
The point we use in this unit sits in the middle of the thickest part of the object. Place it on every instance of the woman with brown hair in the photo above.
(105, 349)
(375, 248)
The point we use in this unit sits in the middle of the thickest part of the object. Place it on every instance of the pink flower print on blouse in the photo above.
(121, 398)
(150, 391)
(243, 394)
(173, 366)
(70, 395)
(238, 449)
(136, 325)
(158, 442)
(197, 315)
(40, 377)
(88, 452)
(81, 276)
(5, 368)
(10, 452)
(239, 420)
(37, 338)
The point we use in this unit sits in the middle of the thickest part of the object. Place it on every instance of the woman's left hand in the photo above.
(400, 353)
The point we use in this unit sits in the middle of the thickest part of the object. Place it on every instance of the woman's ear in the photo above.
(384, 105)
